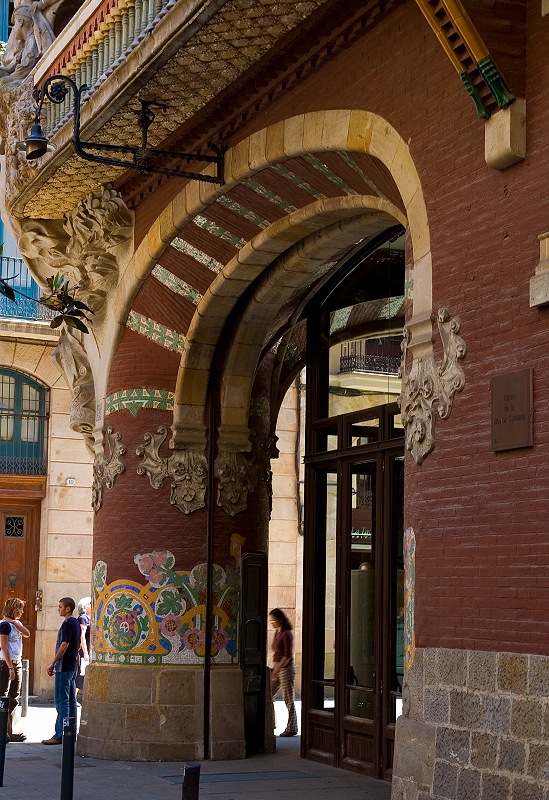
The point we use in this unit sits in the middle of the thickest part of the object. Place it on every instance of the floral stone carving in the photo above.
(428, 384)
(106, 470)
(237, 476)
(86, 245)
(187, 469)
(71, 358)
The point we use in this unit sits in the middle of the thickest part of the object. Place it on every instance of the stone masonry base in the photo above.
(156, 714)
(475, 727)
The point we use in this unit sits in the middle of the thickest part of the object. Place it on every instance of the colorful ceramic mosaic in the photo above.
(409, 596)
(262, 191)
(133, 400)
(197, 255)
(164, 621)
(176, 285)
(157, 333)
(216, 230)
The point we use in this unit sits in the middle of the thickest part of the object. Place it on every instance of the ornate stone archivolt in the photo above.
(106, 470)
(428, 384)
(86, 245)
(187, 469)
(71, 358)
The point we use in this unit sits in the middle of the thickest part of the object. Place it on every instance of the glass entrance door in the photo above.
(356, 581)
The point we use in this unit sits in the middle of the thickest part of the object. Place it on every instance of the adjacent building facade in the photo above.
(375, 167)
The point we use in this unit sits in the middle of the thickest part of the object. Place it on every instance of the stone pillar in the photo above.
(147, 694)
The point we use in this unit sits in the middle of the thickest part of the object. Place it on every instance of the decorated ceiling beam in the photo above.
(468, 54)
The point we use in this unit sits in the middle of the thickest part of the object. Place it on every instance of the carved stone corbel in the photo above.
(72, 360)
(86, 245)
(428, 384)
(106, 470)
(187, 469)
(237, 473)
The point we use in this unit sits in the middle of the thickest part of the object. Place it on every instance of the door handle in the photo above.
(38, 600)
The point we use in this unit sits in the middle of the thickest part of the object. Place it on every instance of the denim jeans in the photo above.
(64, 698)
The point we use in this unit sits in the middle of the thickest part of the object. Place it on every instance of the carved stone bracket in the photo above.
(86, 245)
(71, 358)
(237, 473)
(428, 384)
(106, 470)
(187, 468)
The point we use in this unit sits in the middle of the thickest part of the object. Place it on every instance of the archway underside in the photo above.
(254, 253)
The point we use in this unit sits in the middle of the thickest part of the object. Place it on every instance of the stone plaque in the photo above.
(512, 411)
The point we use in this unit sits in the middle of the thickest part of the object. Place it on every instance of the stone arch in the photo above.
(288, 273)
(35, 362)
(353, 131)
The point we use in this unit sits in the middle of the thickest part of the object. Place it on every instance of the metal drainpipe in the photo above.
(209, 565)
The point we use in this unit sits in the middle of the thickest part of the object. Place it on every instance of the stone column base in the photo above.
(475, 725)
(157, 714)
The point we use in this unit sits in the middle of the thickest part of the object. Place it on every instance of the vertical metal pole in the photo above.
(191, 781)
(67, 763)
(24, 686)
(4, 711)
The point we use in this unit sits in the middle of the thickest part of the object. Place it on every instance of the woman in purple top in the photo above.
(283, 671)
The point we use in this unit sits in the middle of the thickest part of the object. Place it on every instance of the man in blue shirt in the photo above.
(64, 668)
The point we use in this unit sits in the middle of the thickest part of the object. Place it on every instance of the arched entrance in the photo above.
(245, 265)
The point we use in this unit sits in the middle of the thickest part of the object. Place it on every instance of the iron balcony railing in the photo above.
(22, 443)
(369, 362)
(108, 31)
(27, 292)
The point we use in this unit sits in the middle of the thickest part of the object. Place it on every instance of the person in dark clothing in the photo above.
(64, 667)
(283, 671)
(12, 632)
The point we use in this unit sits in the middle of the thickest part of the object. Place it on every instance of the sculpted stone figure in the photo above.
(34, 30)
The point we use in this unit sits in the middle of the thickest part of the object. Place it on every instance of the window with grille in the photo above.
(23, 416)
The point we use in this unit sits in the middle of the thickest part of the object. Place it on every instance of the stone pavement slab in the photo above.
(33, 770)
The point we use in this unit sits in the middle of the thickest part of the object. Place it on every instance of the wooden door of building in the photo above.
(354, 582)
(20, 507)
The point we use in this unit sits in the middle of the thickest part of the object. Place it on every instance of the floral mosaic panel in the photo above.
(409, 597)
(163, 621)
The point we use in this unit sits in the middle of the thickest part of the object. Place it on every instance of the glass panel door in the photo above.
(361, 642)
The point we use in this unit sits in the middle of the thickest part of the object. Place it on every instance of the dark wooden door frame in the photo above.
(341, 463)
(26, 493)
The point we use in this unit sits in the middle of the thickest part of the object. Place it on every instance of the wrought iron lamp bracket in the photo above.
(55, 90)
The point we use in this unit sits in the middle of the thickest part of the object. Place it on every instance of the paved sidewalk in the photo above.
(33, 770)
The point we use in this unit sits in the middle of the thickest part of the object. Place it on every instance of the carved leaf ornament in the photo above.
(106, 470)
(187, 469)
(428, 384)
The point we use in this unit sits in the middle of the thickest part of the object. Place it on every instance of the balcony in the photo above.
(27, 292)
(180, 55)
(367, 355)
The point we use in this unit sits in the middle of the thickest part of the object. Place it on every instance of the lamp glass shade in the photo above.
(36, 144)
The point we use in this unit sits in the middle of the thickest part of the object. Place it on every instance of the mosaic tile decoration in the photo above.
(163, 621)
(198, 255)
(177, 285)
(157, 333)
(133, 400)
(409, 592)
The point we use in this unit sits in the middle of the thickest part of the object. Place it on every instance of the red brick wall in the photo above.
(141, 363)
(480, 518)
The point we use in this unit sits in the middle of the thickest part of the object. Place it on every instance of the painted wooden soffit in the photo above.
(468, 54)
